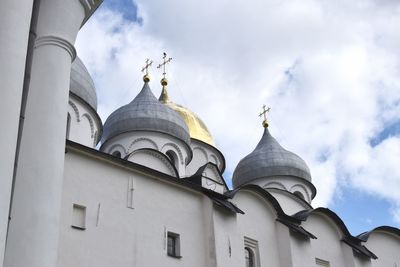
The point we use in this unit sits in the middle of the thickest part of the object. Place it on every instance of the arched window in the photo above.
(299, 194)
(68, 126)
(116, 154)
(249, 257)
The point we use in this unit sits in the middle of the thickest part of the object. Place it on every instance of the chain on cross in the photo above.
(165, 62)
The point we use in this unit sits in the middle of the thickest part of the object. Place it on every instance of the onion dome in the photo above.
(197, 129)
(146, 113)
(81, 83)
(269, 159)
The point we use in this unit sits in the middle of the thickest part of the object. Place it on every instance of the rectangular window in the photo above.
(173, 245)
(79, 217)
(320, 262)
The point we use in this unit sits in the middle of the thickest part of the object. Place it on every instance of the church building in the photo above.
(146, 188)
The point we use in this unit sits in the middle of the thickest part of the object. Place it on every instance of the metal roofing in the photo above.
(269, 159)
(81, 83)
(146, 113)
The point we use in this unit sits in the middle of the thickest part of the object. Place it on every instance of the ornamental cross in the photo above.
(165, 61)
(264, 112)
(148, 64)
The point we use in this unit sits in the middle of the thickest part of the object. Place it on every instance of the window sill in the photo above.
(174, 256)
(78, 227)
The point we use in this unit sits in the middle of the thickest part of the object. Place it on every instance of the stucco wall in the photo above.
(15, 20)
(120, 236)
(328, 245)
(386, 246)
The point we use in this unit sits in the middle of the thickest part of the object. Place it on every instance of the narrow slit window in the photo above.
(79, 217)
(68, 125)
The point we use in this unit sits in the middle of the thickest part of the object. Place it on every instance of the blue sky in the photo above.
(329, 70)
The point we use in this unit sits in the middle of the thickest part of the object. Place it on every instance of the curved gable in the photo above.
(153, 159)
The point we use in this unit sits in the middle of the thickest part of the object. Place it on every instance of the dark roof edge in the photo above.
(389, 229)
(199, 171)
(151, 172)
(159, 153)
(353, 241)
(290, 193)
(216, 149)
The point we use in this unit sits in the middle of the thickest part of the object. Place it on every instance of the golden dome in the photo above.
(197, 129)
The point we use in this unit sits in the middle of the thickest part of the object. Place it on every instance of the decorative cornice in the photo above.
(56, 41)
(142, 139)
(86, 115)
(76, 110)
(164, 150)
(90, 7)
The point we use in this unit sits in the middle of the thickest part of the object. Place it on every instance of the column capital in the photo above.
(57, 41)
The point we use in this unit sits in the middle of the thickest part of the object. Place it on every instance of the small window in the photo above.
(173, 245)
(68, 126)
(323, 263)
(116, 154)
(79, 217)
(249, 257)
(251, 252)
(299, 194)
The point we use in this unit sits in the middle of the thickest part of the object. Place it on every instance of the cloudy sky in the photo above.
(329, 70)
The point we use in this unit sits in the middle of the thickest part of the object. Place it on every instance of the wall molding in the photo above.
(56, 41)
(76, 110)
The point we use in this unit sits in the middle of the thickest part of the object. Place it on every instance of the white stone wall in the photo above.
(119, 235)
(259, 224)
(15, 20)
(386, 246)
(328, 245)
(128, 213)
(84, 125)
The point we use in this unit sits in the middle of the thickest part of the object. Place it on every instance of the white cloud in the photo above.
(330, 70)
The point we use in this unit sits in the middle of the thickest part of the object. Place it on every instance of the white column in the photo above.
(15, 18)
(34, 226)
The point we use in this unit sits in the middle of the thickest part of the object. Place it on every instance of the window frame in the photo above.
(78, 212)
(176, 245)
(251, 245)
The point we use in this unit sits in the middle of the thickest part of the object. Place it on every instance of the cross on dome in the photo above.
(264, 114)
(164, 81)
(145, 69)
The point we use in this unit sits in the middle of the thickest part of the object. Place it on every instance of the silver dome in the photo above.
(269, 159)
(146, 113)
(81, 83)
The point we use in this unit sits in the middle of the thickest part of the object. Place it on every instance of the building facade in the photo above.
(153, 194)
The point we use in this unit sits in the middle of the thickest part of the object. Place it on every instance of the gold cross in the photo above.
(148, 64)
(264, 112)
(165, 61)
